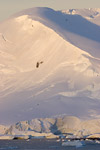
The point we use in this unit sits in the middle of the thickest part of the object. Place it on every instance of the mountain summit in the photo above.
(50, 64)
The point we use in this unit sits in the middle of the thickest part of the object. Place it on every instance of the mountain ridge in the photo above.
(48, 67)
(69, 126)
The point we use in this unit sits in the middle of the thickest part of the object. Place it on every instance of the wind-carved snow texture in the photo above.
(50, 65)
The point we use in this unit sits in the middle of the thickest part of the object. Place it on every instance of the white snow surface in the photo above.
(3, 129)
(66, 45)
(70, 126)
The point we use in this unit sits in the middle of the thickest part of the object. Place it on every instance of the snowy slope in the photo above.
(91, 14)
(3, 129)
(66, 49)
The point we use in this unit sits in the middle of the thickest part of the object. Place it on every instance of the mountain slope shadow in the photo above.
(73, 28)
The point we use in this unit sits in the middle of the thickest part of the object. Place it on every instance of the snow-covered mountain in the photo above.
(50, 64)
(70, 126)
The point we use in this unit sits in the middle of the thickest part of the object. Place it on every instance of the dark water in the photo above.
(42, 144)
